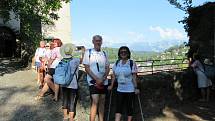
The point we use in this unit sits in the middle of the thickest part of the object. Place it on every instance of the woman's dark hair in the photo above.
(128, 52)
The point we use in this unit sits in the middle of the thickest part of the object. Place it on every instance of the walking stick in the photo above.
(141, 111)
(108, 116)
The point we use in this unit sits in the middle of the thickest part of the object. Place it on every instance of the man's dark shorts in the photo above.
(94, 90)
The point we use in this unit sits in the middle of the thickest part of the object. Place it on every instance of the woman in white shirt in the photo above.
(203, 82)
(39, 62)
(52, 63)
(70, 91)
(125, 72)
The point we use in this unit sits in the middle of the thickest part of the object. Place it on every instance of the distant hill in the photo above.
(136, 55)
(174, 52)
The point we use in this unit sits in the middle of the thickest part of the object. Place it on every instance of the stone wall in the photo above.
(62, 27)
(157, 92)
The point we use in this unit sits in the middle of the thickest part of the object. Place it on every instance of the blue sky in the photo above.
(149, 25)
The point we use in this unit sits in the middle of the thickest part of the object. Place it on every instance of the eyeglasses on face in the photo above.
(123, 52)
(97, 40)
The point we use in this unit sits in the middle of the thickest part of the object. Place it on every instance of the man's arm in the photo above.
(82, 55)
(107, 70)
(92, 75)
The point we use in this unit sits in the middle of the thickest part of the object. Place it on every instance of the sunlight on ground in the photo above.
(169, 112)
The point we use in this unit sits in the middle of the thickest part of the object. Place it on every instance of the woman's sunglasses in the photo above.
(123, 52)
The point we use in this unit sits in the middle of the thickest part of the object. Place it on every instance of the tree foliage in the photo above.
(199, 26)
(42, 9)
(30, 13)
(181, 4)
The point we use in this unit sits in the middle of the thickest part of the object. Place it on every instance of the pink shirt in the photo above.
(55, 55)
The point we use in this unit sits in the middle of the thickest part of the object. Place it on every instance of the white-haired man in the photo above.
(97, 68)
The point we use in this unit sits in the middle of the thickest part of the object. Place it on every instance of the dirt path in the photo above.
(18, 89)
(17, 93)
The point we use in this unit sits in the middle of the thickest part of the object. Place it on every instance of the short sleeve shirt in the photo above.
(48, 53)
(55, 55)
(97, 61)
(123, 73)
(40, 52)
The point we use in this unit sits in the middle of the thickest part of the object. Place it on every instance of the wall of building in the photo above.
(62, 27)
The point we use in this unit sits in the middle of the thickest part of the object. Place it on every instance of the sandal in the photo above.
(38, 97)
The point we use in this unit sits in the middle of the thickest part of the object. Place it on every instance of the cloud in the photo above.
(136, 37)
(138, 41)
(83, 42)
(168, 33)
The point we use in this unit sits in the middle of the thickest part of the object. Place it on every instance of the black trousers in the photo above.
(69, 99)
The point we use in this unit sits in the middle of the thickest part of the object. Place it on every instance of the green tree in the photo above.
(30, 13)
(181, 4)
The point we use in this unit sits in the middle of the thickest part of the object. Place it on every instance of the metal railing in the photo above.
(154, 66)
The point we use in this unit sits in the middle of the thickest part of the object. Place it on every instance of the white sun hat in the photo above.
(207, 61)
(66, 50)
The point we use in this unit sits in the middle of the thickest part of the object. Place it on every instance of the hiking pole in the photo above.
(141, 111)
(108, 116)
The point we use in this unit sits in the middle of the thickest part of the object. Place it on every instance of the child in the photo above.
(39, 62)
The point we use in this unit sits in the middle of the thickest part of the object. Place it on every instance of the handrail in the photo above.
(154, 67)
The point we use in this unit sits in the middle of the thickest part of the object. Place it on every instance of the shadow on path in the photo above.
(10, 65)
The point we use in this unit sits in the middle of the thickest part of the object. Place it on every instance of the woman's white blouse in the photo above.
(123, 73)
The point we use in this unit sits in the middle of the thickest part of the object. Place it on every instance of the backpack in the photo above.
(209, 71)
(63, 74)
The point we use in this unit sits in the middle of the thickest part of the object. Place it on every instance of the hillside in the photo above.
(174, 52)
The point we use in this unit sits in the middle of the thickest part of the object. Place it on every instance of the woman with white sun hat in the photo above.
(70, 92)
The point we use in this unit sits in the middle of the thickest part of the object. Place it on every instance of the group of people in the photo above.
(96, 64)
(46, 61)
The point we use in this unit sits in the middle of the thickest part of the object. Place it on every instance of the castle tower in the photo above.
(62, 27)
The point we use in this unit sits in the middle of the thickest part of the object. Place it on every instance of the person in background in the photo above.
(39, 62)
(97, 68)
(52, 63)
(70, 92)
(49, 49)
(125, 71)
(203, 82)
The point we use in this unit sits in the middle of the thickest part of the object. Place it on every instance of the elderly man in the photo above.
(97, 68)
